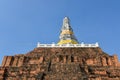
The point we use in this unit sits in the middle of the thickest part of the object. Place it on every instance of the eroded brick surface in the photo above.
(61, 64)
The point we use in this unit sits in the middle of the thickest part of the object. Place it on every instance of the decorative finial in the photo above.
(67, 35)
(66, 20)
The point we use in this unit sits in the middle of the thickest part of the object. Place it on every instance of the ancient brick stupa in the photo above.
(66, 60)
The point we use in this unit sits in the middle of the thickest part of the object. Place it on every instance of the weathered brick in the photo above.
(8, 61)
(116, 60)
(89, 62)
(61, 64)
(21, 61)
(15, 62)
(104, 62)
(4, 61)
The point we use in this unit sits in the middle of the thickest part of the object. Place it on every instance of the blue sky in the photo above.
(23, 23)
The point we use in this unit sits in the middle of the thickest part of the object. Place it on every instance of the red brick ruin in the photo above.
(61, 64)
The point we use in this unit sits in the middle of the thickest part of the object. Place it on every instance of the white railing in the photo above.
(68, 45)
